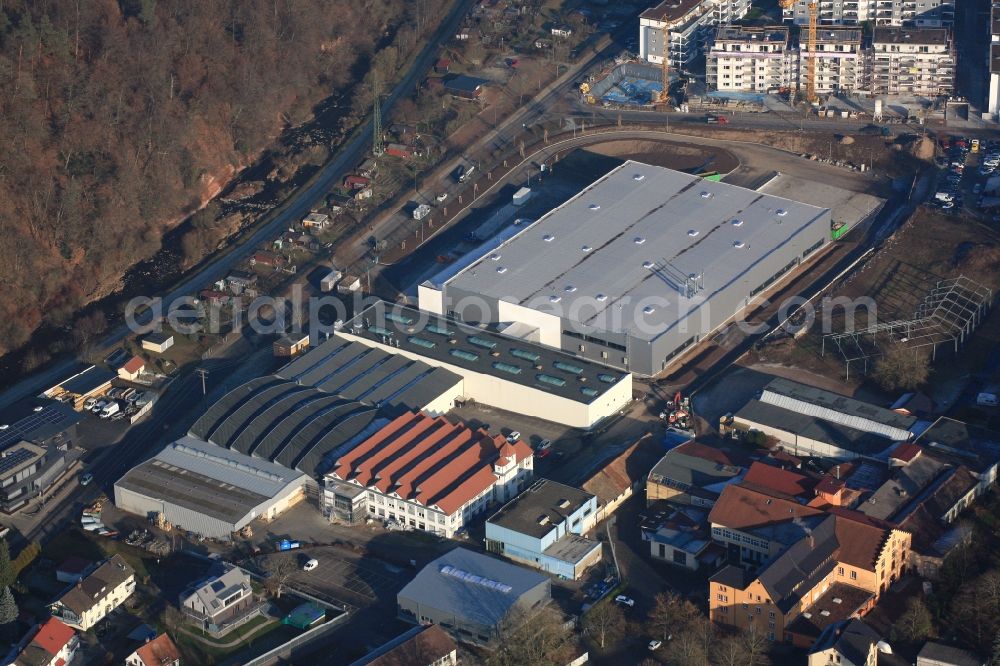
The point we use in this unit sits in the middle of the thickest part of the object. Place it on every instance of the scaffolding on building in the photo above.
(948, 315)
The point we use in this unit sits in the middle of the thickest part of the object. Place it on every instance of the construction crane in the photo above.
(665, 65)
(813, 8)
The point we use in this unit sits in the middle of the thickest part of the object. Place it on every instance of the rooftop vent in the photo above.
(807, 615)
(543, 520)
(554, 299)
(739, 243)
(647, 264)
(706, 195)
(838, 600)
(737, 223)
(781, 212)
(824, 613)
(570, 289)
(693, 232)
(501, 269)
(649, 309)
(495, 257)
(602, 298)
(548, 238)
(563, 503)
(586, 248)
(594, 206)
(637, 176)
(638, 240)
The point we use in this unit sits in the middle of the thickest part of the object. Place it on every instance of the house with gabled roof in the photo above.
(54, 644)
(89, 601)
(220, 603)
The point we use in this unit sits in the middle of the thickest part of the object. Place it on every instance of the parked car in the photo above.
(543, 447)
(441, 197)
(89, 403)
(99, 406)
(86, 478)
(654, 645)
(310, 564)
(625, 601)
(514, 436)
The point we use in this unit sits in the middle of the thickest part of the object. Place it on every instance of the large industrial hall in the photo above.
(637, 267)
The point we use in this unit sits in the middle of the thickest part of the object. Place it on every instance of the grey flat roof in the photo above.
(462, 597)
(209, 479)
(946, 654)
(962, 443)
(818, 429)
(891, 35)
(551, 499)
(35, 420)
(846, 206)
(572, 548)
(483, 351)
(591, 252)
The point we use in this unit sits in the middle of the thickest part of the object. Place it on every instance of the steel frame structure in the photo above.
(949, 313)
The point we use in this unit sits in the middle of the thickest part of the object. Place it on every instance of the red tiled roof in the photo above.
(906, 451)
(160, 650)
(830, 485)
(860, 541)
(53, 636)
(429, 460)
(134, 365)
(780, 480)
(427, 647)
(744, 508)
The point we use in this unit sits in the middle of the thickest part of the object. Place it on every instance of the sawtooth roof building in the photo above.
(637, 267)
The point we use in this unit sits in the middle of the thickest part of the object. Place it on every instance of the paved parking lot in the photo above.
(340, 577)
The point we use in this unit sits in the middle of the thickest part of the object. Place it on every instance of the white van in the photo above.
(987, 400)
(110, 409)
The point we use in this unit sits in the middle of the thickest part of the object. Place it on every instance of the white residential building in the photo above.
(912, 61)
(749, 59)
(425, 473)
(690, 23)
(916, 13)
(840, 61)
(90, 600)
(993, 63)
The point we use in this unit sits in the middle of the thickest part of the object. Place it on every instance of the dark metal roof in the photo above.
(87, 381)
(480, 350)
(812, 427)
(551, 499)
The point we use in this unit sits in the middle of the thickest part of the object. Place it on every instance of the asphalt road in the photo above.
(294, 209)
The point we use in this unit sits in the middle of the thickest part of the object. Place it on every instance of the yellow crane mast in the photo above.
(665, 65)
(810, 46)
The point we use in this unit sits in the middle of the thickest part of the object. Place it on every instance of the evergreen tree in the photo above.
(7, 574)
(8, 607)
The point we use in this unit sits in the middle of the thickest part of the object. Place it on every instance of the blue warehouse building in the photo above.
(544, 527)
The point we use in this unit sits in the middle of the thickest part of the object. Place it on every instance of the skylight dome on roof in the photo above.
(739, 243)
(501, 269)
(737, 223)
(570, 289)
(693, 232)
(554, 298)
(638, 240)
(638, 176)
(706, 195)
(647, 264)
(649, 309)
(548, 238)
(586, 248)
(602, 298)
(495, 257)
(595, 206)
(782, 212)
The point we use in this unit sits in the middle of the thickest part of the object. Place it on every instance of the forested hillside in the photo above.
(120, 118)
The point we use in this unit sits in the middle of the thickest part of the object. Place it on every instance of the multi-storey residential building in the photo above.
(689, 22)
(544, 527)
(912, 61)
(426, 473)
(834, 572)
(840, 61)
(54, 644)
(748, 59)
(993, 62)
(90, 600)
(919, 13)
